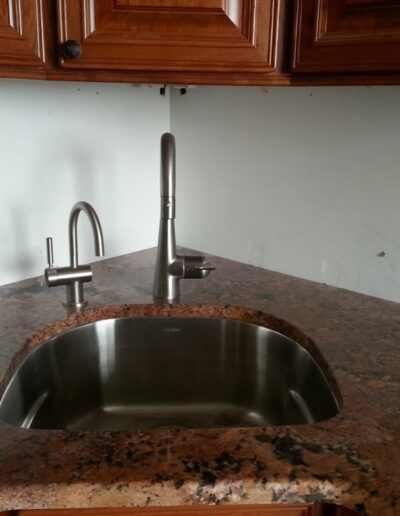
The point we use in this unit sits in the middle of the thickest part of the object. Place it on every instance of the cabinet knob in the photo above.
(71, 49)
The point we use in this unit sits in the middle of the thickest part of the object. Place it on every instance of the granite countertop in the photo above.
(352, 459)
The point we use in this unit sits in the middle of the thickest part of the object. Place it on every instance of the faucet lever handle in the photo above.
(195, 267)
(50, 254)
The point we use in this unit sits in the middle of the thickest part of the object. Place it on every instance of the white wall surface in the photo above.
(65, 142)
(304, 181)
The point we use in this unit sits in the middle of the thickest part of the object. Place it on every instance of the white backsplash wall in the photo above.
(304, 181)
(65, 142)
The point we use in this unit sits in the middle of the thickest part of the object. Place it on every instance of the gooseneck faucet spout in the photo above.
(171, 267)
(75, 275)
(73, 231)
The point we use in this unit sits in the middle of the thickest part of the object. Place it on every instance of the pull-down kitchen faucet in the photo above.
(170, 266)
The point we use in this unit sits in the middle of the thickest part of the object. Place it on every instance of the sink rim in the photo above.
(192, 311)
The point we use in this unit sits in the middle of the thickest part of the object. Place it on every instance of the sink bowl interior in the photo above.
(149, 372)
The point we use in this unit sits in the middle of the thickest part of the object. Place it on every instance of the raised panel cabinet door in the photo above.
(21, 33)
(347, 36)
(170, 35)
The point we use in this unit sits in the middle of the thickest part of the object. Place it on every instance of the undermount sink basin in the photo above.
(150, 372)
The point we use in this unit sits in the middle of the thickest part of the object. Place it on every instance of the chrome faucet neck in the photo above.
(168, 167)
(73, 231)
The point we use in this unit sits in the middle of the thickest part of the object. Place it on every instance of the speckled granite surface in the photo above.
(352, 459)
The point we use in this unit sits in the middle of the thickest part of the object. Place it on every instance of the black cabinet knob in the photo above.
(71, 49)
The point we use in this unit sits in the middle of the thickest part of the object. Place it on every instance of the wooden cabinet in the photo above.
(21, 34)
(245, 510)
(202, 41)
(205, 36)
(208, 510)
(347, 36)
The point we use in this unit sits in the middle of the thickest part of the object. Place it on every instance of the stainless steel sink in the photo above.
(149, 372)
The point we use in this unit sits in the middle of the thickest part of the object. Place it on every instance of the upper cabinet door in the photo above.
(171, 35)
(21, 33)
(347, 35)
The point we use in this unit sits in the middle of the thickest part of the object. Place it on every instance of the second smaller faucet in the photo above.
(171, 267)
(74, 276)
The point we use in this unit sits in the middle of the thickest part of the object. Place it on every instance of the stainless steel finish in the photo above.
(75, 275)
(170, 267)
(73, 231)
(65, 275)
(27, 422)
(50, 253)
(140, 373)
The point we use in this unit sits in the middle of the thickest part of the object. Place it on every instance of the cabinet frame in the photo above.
(346, 36)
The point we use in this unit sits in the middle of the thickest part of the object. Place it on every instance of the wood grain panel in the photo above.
(21, 33)
(179, 5)
(210, 510)
(347, 35)
(235, 36)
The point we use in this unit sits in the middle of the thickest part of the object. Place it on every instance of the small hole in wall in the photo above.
(381, 254)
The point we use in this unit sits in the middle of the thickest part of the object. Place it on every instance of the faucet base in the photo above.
(76, 306)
